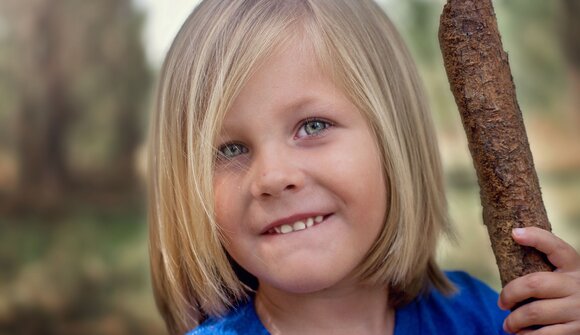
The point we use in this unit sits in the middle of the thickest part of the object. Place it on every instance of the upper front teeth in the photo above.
(298, 225)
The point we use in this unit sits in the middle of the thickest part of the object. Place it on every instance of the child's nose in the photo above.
(275, 175)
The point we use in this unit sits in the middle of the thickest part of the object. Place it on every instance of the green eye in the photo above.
(232, 150)
(312, 128)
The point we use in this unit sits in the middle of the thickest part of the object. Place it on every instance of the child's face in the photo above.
(301, 196)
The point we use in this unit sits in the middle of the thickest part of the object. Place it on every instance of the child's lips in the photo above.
(294, 223)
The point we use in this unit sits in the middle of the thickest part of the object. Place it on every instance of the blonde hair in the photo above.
(218, 48)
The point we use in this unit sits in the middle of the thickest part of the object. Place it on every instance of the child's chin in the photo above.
(303, 284)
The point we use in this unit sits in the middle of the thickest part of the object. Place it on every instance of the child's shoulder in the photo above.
(472, 306)
(471, 292)
(240, 320)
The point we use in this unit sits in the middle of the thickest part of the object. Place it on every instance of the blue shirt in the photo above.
(471, 310)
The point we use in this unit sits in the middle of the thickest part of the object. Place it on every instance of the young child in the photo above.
(296, 186)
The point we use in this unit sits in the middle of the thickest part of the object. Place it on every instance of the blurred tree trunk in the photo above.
(571, 42)
(571, 31)
(82, 85)
(132, 67)
(43, 119)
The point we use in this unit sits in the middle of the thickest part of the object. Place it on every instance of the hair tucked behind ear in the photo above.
(218, 48)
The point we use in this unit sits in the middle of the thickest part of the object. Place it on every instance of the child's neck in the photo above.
(360, 310)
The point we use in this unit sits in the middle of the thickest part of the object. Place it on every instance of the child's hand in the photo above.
(558, 307)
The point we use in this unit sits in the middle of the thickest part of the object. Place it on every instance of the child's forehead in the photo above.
(299, 105)
(290, 75)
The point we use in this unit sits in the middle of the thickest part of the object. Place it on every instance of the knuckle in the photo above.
(534, 282)
(533, 313)
(562, 247)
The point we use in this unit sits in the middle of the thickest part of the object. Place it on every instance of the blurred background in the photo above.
(76, 83)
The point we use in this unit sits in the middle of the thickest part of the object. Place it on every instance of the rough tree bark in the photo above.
(481, 81)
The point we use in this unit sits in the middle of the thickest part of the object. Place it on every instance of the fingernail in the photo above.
(505, 326)
(500, 305)
(519, 231)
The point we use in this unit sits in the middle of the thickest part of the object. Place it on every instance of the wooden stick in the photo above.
(481, 81)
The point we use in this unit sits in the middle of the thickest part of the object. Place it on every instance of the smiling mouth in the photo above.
(296, 226)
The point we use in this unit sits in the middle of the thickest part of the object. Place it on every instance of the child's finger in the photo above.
(559, 329)
(539, 313)
(537, 285)
(559, 253)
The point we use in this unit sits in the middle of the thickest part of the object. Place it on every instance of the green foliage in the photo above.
(531, 38)
(76, 272)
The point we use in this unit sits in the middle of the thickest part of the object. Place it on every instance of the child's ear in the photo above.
(244, 276)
